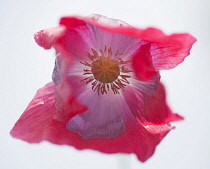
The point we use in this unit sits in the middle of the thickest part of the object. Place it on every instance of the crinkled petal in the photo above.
(37, 124)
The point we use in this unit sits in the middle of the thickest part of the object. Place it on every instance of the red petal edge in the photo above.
(37, 124)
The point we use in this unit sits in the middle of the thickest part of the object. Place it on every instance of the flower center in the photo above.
(107, 71)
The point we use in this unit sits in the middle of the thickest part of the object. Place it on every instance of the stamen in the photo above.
(106, 71)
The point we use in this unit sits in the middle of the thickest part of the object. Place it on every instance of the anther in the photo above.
(105, 72)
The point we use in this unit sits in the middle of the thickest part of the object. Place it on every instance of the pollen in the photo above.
(106, 71)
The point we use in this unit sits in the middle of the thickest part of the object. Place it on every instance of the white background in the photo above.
(25, 67)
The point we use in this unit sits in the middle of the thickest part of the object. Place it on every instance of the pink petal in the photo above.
(148, 103)
(168, 54)
(103, 119)
(34, 124)
(66, 104)
(48, 37)
(77, 42)
(118, 42)
(142, 63)
(157, 110)
(37, 124)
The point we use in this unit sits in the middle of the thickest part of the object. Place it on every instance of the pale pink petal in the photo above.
(77, 42)
(103, 117)
(118, 42)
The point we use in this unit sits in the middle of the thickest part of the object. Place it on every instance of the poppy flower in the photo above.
(106, 93)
